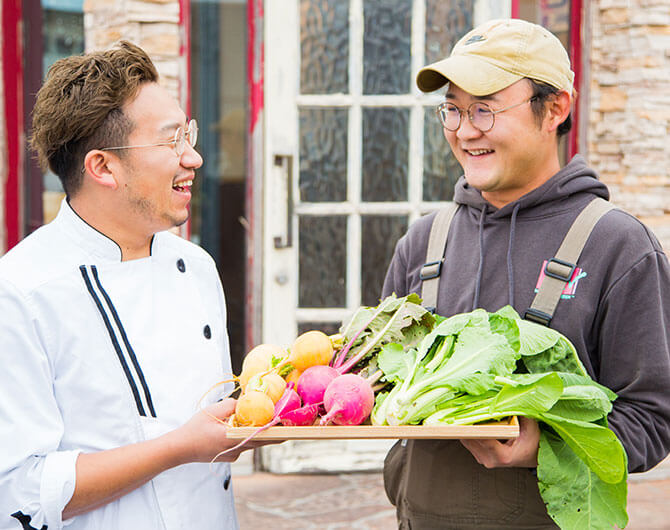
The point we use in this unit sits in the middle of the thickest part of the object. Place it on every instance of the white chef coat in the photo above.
(96, 353)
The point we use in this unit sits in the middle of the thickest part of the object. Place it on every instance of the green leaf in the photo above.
(582, 402)
(576, 498)
(545, 350)
(479, 352)
(529, 399)
(596, 445)
(570, 379)
(504, 322)
(395, 362)
(535, 338)
(453, 326)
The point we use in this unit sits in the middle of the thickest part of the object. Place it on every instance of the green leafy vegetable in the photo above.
(576, 498)
(479, 366)
(395, 320)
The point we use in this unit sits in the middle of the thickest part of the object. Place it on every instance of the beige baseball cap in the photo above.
(498, 53)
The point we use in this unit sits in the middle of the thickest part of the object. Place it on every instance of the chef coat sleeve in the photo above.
(36, 480)
(634, 346)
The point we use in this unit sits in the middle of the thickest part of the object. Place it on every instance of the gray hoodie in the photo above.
(616, 312)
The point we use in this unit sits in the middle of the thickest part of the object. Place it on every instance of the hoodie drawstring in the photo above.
(475, 302)
(510, 248)
(510, 265)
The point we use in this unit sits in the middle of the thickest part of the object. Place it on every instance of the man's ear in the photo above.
(100, 167)
(558, 109)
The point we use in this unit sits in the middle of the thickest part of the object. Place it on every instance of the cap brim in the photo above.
(471, 73)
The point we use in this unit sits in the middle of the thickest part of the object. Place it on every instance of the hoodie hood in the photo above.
(575, 178)
(572, 180)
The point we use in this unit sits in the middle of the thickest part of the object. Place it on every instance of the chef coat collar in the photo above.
(89, 238)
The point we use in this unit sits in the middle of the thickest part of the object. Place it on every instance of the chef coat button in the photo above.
(181, 265)
(207, 332)
(226, 482)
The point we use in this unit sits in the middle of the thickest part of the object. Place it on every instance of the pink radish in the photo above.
(349, 400)
(313, 383)
(288, 402)
(303, 416)
(289, 409)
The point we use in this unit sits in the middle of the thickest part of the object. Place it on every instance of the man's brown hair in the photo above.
(79, 107)
(541, 93)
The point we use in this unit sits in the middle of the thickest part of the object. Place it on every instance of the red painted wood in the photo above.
(255, 84)
(12, 71)
(185, 83)
(515, 9)
(255, 61)
(576, 60)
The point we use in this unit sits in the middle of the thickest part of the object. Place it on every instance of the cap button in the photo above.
(207, 332)
(181, 265)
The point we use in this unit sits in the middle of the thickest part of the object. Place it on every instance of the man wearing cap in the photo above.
(508, 99)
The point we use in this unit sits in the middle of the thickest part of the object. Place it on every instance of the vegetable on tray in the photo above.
(397, 364)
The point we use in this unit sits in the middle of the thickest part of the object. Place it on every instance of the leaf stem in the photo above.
(343, 352)
(361, 354)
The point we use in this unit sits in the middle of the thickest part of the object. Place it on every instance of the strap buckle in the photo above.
(557, 271)
(430, 270)
(537, 316)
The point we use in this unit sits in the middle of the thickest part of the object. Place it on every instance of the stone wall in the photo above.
(151, 24)
(628, 130)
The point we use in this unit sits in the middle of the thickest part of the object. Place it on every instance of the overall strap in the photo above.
(437, 242)
(559, 270)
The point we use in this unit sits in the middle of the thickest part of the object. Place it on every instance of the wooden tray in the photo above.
(503, 429)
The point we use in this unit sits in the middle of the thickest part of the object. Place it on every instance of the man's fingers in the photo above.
(222, 409)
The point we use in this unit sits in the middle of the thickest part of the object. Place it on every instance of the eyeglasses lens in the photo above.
(192, 133)
(181, 137)
(480, 115)
(179, 140)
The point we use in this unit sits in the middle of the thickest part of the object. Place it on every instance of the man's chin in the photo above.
(175, 221)
(180, 222)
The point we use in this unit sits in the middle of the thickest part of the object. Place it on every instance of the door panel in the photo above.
(354, 153)
(368, 156)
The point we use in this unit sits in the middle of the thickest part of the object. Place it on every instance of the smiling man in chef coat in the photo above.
(112, 327)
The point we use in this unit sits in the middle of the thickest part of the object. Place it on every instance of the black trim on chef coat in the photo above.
(130, 353)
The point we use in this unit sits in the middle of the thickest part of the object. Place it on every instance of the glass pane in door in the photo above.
(323, 154)
(324, 46)
(446, 22)
(385, 154)
(322, 266)
(329, 328)
(387, 46)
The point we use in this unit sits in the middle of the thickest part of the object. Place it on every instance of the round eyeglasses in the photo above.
(481, 116)
(181, 136)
